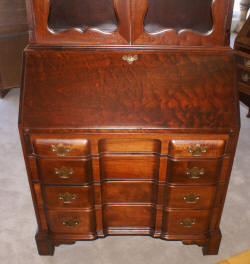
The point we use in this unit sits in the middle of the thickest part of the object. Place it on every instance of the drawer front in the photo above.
(122, 216)
(193, 171)
(128, 192)
(196, 148)
(190, 197)
(60, 146)
(64, 171)
(188, 222)
(133, 167)
(71, 222)
(244, 60)
(68, 197)
(123, 145)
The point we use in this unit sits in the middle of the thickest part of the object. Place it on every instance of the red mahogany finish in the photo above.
(242, 50)
(122, 132)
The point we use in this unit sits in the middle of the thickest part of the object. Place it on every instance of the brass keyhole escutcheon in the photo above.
(191, 198)
(70, 222)
(60, 149)
(64, 173)
(247, 62)
(194, 173)
(130, 58)
(67, 197)
(244, 77)
(197, 150)
(187, 222)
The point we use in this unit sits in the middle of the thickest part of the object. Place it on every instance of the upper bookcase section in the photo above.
(130, 22)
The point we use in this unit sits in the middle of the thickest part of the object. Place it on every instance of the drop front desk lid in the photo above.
(72, 88)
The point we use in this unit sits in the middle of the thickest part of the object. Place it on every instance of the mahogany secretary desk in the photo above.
(129, 119)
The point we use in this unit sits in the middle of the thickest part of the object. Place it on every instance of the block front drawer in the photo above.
(65, 171)
(186, 222)
(190, 197)
(68, 197)
(197, 148)
(81, 222)
(60, 145)
(193, 171)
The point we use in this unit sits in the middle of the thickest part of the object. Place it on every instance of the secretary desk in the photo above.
(129, 119)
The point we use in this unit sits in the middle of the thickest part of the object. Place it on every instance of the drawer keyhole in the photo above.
(130, 58)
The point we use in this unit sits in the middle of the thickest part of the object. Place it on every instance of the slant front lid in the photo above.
(151, 90)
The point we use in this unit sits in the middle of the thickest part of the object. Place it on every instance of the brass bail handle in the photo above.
(197, 150)
(64, 173)
(67, 197)
(245, 77)
(195, 173)
(191, 198)
(187, 222)
(130, 58)
(60, 149)
(70, 222)
(247, 62)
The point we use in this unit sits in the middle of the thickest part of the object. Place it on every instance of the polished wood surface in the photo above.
(101, 108)
(13, 39)
(242, 49)
(122, 132)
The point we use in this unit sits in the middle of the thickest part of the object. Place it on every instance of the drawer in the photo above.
(68, 197)
(243, 76)
(128, 192)
(124, 216)
(193, 172)
(77, 222)
(186, 222)
(190, 197)
(243, 88)
(60, 145)
(196, 148)
(129, 167)
(65, 171)
(130, 145)
(243, 60)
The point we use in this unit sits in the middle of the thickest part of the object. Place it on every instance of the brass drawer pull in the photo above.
(130, 58)
(64, 173)
(191, 198)
(197, 150)
(187, 222)
(60, 149)
(247, 62)
(70, 222)
(67, 197)
(195, 173)
(245, 77)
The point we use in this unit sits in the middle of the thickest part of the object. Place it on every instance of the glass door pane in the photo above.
(66, 14)
(179, 14)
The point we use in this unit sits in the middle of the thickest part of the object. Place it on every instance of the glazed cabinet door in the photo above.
(80, 21)
(131, 22)
(182, 22)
